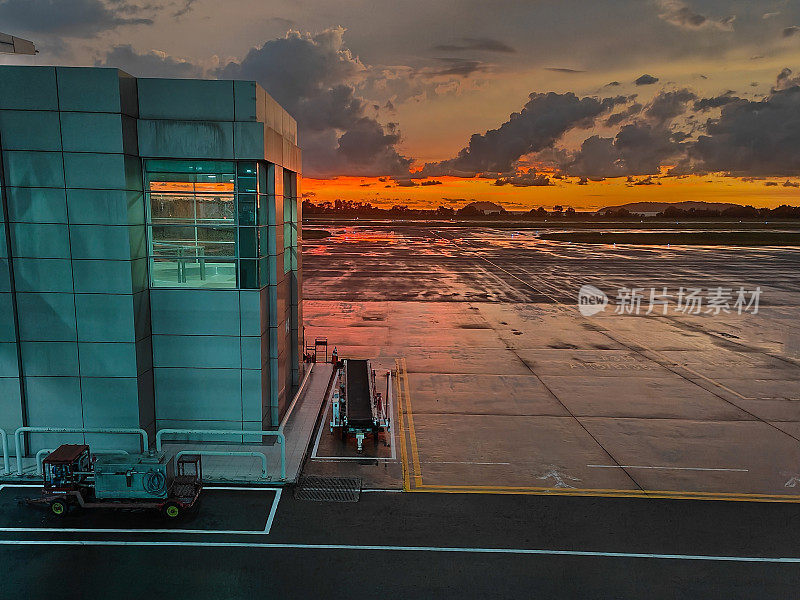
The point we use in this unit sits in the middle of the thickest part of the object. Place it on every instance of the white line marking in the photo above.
(266, 531)
(272, 511)
(444, 549)
(666, 468)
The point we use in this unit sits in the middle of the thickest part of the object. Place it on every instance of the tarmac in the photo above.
(504, 386)
(542, 452)
(261, 543)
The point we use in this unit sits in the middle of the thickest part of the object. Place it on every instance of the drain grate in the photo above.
(328, 489)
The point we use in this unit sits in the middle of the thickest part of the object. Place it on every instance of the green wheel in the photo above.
(171, 510)
(59, 508)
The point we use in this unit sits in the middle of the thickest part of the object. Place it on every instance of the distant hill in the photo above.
(652, 208)
(487, 208)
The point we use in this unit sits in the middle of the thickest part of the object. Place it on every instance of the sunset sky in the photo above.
(525, 103)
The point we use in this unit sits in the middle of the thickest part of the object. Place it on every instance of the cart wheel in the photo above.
(171, 510)
(59, 508)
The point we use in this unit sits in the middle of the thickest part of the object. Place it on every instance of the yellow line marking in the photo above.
(403, 452)
(588, 492)
(411, 431)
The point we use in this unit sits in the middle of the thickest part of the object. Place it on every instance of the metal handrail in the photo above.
(279, 434)
(6, 461)
(296, 398)
(18, 436)
(260, 455)
(40, 456)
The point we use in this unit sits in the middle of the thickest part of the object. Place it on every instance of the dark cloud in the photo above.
(645, 80)
(613, 84)
(790, 31)
(406, 183)
(617, 118)
(771, 183)
(543, 120)
(431, 182)
(71, 18)
(753, 137)
(311, 77)
(184, 8)
(528, 179)
(668, 105)
(564, 70)
(793, 184)
(479, 44)
(459, 66)
(704, 104)
(785, 79)
(150, 64)
(680, 14)
(644, 181)
(638, 149)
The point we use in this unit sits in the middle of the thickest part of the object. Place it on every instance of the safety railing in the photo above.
(6, 460)
(128, 430)
(238, 432)
(260, 455)
(41, 454)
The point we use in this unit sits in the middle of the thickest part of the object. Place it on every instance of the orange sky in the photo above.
(456, 192)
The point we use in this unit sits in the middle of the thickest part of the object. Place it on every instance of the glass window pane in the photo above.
(248, 274)
(247, 209)
(248, 242)
(183, 240)
(215, 208)
(189, 166)
(192, 272)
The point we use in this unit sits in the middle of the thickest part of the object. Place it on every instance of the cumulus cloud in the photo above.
(680, 14)
(754, 137)
(312, 76)
(637, 149)
(150, 64)
(543, 120)
(72, 18)
(529, 178)
(785, 79)
(476, 44)
(704, 104)
(619, 117)
(645, 79)
(668, 105)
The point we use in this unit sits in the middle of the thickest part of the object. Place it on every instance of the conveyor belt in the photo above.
(359, 409)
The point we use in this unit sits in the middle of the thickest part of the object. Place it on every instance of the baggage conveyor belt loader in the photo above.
(358, 408)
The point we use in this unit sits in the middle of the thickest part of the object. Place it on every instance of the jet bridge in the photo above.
(358, 409)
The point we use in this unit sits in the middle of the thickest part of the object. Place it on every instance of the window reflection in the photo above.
(206, 222)
(192, 224)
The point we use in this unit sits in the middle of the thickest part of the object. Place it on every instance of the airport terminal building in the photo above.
(150, 273)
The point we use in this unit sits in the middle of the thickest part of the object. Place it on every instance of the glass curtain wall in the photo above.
(289, 221)
(203, 218)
